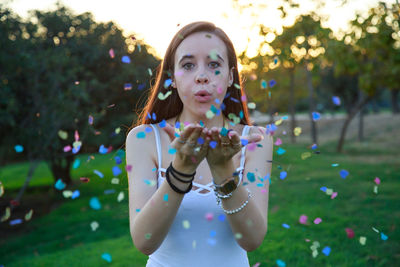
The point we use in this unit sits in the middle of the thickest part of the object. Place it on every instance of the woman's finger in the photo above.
(179, 142)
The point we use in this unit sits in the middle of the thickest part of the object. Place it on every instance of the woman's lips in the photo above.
(203, 98)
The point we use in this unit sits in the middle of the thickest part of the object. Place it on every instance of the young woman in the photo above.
(196, 196)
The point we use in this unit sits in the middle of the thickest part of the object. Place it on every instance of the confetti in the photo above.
(111, 53)
(75, 194)
(172, 151)
(28, 216)
(263, 84)
(186, 224)
(165, 198)
(314, 146)
(297, 131)
(303, 219)
(106, 257)
(283, 175)
(163, 124)
(210, 114)
(335, 165)
(238, 235)
(344, 173)
(272, 83)
(84, 179)
(286, 226)
(251, 105)
(326, 251)
(59, 185)
(280, 263)
(116, 171)
(334, 194)
(317, 220)
(336, 100)
(209, 216)
(349, 232)
(316, 116)
(103, 149)
(213, 144)
(127, 86)
(305, 155)
(278, 142)
(98, 173)
(63, 134)
(363, 240)
(251, 177)
(6, 215)
(121, 196)
(109, 191)
(280, 151)
(94, 225)
(18, 148)
(67, 148)
(383, 236)
(128, 168)
(141, 135)
(1, 189)
(95, 203)
(76, 164)
(115, 180)
(377, 180)
(167, 83)
(149, 71)
(67, 193)
(15, 221)
(90, 120)
(147, 236)
(126, 59)
(162, 96)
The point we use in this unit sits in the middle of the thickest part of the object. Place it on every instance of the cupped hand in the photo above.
(224, 145)
(191, 146)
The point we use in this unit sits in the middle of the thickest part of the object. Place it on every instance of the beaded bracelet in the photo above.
(241, 207)
(176, 189)
(221, 196)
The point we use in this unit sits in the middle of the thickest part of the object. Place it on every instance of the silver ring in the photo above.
(237, 145)
(225, 144)
(192, 144)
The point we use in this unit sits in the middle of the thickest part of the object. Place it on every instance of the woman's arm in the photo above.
(249, 225)
(151, 211)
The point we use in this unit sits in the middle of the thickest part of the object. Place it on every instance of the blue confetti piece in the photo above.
(316, 116)
(75, 194)
(272, 83)
(344, 173)
(211, 241)
(271, 128)
(201, 123)
(251, 177)
(263, 84)
(167, 83)
(109, 191)
(244, 142)
(275, 61)
(154, 169)
(326, 251)
(76, 149)
(106, 257)
(148, 116)
(154, 116)
(127, 86)
(200, 140)
(323, 189)
(116, 171)
(141, 86)
(335, 165)
(383, 236)
(221, 217)
(172, 151)
(336, 100)
(16, 221)
(213, 233)
(141, 135)
(285, 118)
(118, 160)
(177, 125)
(224, 131)
(165, 197)
(103, 150)
(60, 185)
(283, 175)
(280, 263)
(286, 225)
(126, 59)
(280, 151)
(176, 135)
(217, 101)
(213, 144)
(163, 123)
(241, 114)
(76, 164)
(19, 148)
(95, 203)
(98, 173)
(213, 108)
(235, 100)
(148, 129)
(314, 146)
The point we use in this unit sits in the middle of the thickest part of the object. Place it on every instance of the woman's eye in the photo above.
(187, 66)
(214, 64)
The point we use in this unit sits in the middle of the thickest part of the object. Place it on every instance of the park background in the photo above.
(323, 76)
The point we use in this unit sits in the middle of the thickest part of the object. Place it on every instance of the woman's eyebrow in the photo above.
(191, 56)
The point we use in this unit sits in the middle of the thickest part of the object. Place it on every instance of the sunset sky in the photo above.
(155, 21)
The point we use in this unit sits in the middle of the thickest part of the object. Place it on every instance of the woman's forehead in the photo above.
(201, 44)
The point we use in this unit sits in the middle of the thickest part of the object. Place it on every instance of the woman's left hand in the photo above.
(227, 144)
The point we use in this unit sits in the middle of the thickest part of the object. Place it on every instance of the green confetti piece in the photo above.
(237, 85)
(186, 224)
(147, 236)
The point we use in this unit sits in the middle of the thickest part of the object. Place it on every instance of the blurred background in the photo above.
(322, 76)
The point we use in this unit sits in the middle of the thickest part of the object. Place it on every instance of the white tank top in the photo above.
(200, 234)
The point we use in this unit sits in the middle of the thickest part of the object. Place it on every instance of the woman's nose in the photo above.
(202, 78)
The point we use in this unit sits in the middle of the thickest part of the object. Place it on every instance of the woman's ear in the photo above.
(231, 76)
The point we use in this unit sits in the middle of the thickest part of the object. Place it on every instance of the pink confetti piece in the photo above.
(111, 52)
(334, 194)
(278, 142)
(209, 216)
(67, 148)
(303, 219)
(377, 180)
(76, 135)
(349, 232)
(128, 168)
(318, 220)
(219, 90)
(251, 146)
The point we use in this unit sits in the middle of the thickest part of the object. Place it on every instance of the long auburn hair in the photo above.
(172, 106)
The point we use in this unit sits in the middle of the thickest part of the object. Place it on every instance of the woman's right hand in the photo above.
(191, 146)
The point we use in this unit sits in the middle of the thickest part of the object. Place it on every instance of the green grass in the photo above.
(63, 237)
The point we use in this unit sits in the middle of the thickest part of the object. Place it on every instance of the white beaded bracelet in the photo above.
(241, 207)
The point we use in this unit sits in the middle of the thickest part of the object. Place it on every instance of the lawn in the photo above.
(62, 235)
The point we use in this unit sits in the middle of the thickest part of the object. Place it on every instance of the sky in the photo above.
(156, 21)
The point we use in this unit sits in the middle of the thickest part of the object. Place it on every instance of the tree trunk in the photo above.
(349, 117)
(61, 168)
(395, 103)
(32, 167)
(292, 107)
(311, 105)
(361, 118)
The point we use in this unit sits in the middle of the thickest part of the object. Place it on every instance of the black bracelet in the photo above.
(176, 189)
(181, 174)
(169, 169)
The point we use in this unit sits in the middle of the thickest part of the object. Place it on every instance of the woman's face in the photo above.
(201, 72)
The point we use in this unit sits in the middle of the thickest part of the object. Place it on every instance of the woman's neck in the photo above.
(216, 121)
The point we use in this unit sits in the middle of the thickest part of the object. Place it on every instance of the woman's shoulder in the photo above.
(140, 134)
